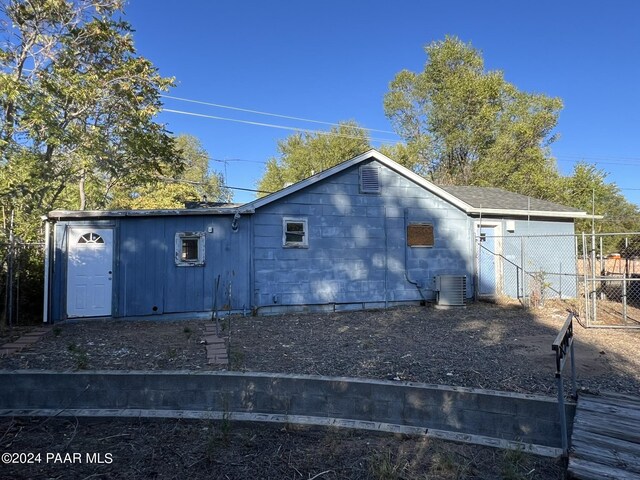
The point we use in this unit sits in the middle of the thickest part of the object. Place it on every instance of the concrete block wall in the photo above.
(529, 419)
(357, 243)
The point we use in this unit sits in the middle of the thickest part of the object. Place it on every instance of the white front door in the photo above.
(89, 272)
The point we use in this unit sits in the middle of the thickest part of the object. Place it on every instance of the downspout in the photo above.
(47, 246)
(406, 247)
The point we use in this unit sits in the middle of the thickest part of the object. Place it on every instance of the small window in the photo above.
(189, 249)
(294, 232)
(369, 179)
(420, 235)
(90, 238)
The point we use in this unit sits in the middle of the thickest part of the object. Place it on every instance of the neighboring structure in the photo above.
(366, 233)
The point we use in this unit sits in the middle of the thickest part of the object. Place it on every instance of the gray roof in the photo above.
(496, 198)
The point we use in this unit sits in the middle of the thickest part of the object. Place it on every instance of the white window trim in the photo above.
(305, 237)
(200, 236)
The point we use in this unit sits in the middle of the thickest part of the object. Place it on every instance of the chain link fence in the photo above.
(21, 283)
(598, 275)
(610, 275)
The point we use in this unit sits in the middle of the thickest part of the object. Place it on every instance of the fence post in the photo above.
(592, 294)
(522, 272)
(10, 274)
(585, 284)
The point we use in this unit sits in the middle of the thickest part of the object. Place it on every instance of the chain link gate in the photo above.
(610, 274)
(597, 275)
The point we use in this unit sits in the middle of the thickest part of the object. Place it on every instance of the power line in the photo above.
(262, 162)
(559, 158)
(217, 105)
(282, 127)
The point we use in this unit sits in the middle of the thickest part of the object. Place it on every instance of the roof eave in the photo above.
(97, 214)
(532, 213)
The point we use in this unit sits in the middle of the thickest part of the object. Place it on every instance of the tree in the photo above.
(76, 106)
(305, 154)
(587, 189)
(194, 182)
(465, 125)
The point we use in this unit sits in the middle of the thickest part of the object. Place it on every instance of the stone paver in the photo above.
(216, 347)
(24, 341)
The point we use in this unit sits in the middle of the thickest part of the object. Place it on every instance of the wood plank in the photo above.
(599, 424)
(579, 437)
(615, 410)
(586, 470)
(613, 399)
(606, 456)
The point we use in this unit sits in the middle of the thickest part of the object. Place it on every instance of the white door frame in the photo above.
(97, 301)
(497, 224)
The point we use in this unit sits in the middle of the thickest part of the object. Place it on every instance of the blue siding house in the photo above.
(367, 233)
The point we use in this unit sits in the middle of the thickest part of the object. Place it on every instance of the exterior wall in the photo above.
(545, 246)
(146, 279)
(357, 244)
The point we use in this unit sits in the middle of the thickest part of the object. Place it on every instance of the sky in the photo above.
(332, 60)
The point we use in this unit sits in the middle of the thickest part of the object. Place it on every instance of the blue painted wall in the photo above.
(357, 253)
(145, 272)
(357, 244)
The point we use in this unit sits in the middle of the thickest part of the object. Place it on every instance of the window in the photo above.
(189, 249)
(420, 235)
(369, 179)
(90, 238)
(294, 232)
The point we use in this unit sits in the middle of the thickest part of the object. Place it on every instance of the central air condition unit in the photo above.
(451, 290)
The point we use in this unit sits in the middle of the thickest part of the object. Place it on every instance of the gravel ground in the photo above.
(501, 347)
(484, 345)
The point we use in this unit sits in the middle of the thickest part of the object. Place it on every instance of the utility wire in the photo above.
(288, 117)
(271, 125)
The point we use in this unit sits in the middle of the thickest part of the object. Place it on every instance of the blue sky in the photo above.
(333, 60)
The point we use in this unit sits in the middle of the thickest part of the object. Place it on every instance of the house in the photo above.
(366, 233)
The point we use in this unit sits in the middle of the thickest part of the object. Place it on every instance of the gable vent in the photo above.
(369, 179)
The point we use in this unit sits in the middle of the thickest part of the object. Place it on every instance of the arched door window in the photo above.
(90, 238)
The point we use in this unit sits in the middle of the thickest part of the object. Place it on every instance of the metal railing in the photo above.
(563, 347)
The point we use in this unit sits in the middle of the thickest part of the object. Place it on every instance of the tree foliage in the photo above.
(304, 154)
(76, 106)
(194, 182)
(465, 125)
(588, 190)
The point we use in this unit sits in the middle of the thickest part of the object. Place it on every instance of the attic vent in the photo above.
(451, 290)
(369, 179)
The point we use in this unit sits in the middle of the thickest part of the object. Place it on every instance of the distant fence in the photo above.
(21, 282)
(599, 274)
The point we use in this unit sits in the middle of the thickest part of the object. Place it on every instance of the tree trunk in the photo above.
(83, 195)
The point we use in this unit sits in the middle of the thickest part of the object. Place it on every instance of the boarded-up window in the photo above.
(420, 235)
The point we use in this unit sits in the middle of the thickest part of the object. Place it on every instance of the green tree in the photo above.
(76, 107)
(194, 182)
(588, 190)
(305, 154)
(465, 125)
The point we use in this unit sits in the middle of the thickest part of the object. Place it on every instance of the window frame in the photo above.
(305, 232)
(179, 242)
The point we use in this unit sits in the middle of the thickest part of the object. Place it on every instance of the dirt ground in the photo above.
(173, 449)
(497, 346)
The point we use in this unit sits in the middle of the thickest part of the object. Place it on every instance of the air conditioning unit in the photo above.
(451, 290)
